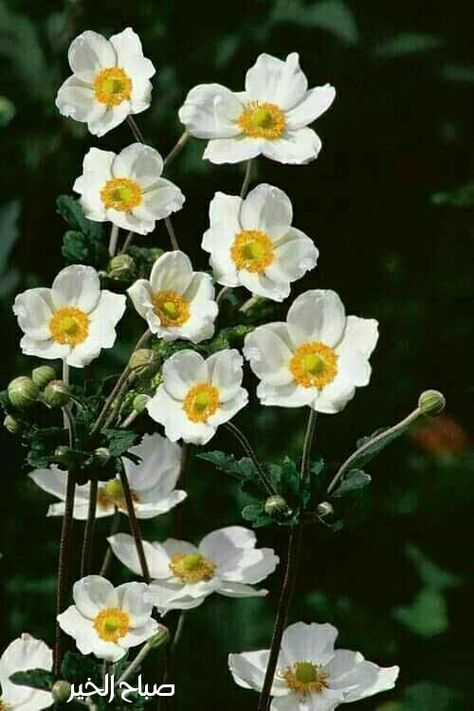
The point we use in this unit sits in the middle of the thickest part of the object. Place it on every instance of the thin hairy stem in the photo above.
(137, 134)
(134, 526)
(182, 141)
(221, 294)
(114, 232)
(239, 435)
(128, 242)
(247, 178)
(89, 530)
(157, 640)
(114, 527)
(172, 233)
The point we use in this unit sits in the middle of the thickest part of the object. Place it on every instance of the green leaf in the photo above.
(426, 696)
(255, 514)
(354, 480)
(427, 615)
(36, 678)
(243, 469)
(85, 243)
(42, 443)
(332, 15)
(70, 209)
(457, 197)
(371, 450)
(76, 668)
(119, 441)
(407, 43)
(75, 247)
(431, 575)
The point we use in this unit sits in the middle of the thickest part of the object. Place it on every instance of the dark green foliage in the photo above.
(36, 678)
(86, 242)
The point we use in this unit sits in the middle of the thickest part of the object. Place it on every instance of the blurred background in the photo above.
(390, 205)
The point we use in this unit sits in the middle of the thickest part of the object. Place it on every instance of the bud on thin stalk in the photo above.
(56, 394)
(431, 402)
(23, 392)
(42, 375)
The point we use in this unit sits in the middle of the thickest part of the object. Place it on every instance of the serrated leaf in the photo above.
(119, 441)
(255, 514)
(35, 678)
(243, 469)
(70, 209)
(427, 615)
(331, 15)
(76, 668)
(354, 480)
(371, 450)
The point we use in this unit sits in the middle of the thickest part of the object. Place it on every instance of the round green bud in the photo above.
(12, 425)
(431, 402)
(61, 691)
(101, 456)
(142, 359)
(324, 509)
(62, 455)
(277, 507)
(140, 402)
(56, 394)
(23, 392)
(43, 375)
(121, 267)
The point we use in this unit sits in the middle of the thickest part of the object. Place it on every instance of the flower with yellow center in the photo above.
(21, 655)
(107, 621)
(176, 301)
(252, 242)
(152, 483)
(110, 80)
(198, 395)
(269, 118)
(226, 561)
(311, 673)
(127, 188)
(72, 321)
(317, 357)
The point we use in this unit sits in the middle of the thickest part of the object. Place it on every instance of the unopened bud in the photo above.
(324, 509)
(101, 456)
(142, 359)
(121, 267)
(277, 507)
(61, 691)
(62, 455)
(56, 394)
(140, 402)
(23, 392)
(12, 425)
(431, 402)
(43, 375)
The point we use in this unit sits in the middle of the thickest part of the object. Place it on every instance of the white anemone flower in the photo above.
(23, 654)
(72, 321)
(110, 80)
(198, 395)
(269, 118)
(176, 302)
(253, 244)
(152, 483)
(317, 357)
(311, 675)
(127, 188)
(183, 575)
(107, 621)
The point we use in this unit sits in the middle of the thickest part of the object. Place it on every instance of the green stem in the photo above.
(137, 134)
(172, 233)
(247, 447)
(247, 178)
(89, 530)
(128, 242)
(134, 526)
(114, 232)
(108, 554)
(182, 141)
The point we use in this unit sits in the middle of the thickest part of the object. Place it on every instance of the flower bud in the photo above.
(12, 425)
(101, 456)
(324, 509)
(56, 394)
(277, 507)
(61, 691)
(431, 402)
(140, 402)
(23, 392)
(43, 375)
(121, 267)
(62, 455)
(142, 359)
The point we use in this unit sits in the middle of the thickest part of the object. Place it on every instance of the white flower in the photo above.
(23, 654)
(198, 395)
(107, 621)
(152, 483)
(253, 244)
(311, 675)
(73, 320)
(176, 302)
(225, 562)
(317, 358)
(270, 117)
(126, 188)
(110, 80)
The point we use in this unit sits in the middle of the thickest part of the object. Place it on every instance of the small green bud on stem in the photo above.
(140, 402)
(62, 455)
(12, 425)
(43, 375)
(431, 402)
(324, 509)
(121, 266)
(277, 507)
(23, 392)
(61, 691)
(101, 456)
(56, 394)
(142, 359)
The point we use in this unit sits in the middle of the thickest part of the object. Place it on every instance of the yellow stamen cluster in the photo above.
(192, 567)
(313, 365)
(201, 402)
(69, 325)
(262, 121)
(252, 250)
(171, 308)
(111, 495)
(121, 194)
(3, 706)
(112, 86)
(111, 624)
(304, 678)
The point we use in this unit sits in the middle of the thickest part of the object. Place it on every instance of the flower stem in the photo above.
(134, 526)
(113, 240)
(247, 447)
(222, 293)
(172, 233)
(128, 242)
(137, 134)
(114, 527)
(89, 530)
(183, 139)
(247, 178)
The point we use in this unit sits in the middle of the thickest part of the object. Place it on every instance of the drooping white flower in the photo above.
(198, 395)
(317, 357)
(183, 575)
(110, 80)
(73, 320)
(311, 675)
(253, 244)
(152, 483)
(23, 654)
(127, 188)
(270, 117)
(107, 621)
(176, 302)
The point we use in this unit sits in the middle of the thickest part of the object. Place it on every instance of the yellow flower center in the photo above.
(262, 121)
(201, 402)
(112, 86)
(69, 325)
(304, 678)
(171, 308)
(252, 250)
(121, 194)
(192, 567)
(313, 365)
(111, 624)
(111, 495)
(3, 706)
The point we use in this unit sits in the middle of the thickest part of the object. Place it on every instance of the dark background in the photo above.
(398, 581)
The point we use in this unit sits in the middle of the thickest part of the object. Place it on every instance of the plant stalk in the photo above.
(134, 526)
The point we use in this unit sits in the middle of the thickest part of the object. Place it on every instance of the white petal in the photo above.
(124, 548)
(76, 100)
(236, 590)
(334, 397)
(132, 222)
(34, 310)
(172, 271)
(268, 209)
(317, 315)
(358, 678)
(295, 255)
(160, 201)
(140, 163)
(229, 539)
(86, 638)
(101, 335)
(226, 372)
(167, 597)
(160, 465)
(110, 307)
(263, 285)
(182, 371)
(211, 111)
(360, 333)
(22, 654)
(313, 642)
(276, 81)
(44, 349)
(315, 102)
(129, 51)
(248, 670)
(112, 117)
(89, 53)
(228, 409)
(159, 506)
(269, 351)
(138, 635)
(232, 150)
(290, 395)
(296, 147)
(76, 285)
(353, 366)
(224, 210)
(134, 598)
(93, 593)
(164, 409)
